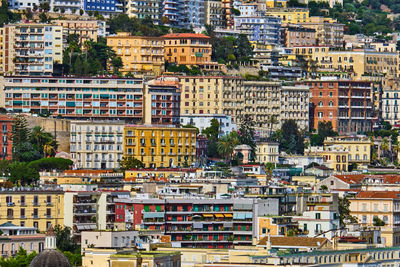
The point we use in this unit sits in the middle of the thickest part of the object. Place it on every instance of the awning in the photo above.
(197, 225)
(219, 215)
(249, 215)
(207, 215)
(82, 227)
(239, 216)
(228, 215)
(147, 215)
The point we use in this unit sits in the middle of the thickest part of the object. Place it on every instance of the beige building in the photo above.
(358, 148)
(44, 42)
(84, 29)
(96, 145)
(214, 13)
(108, 239)
(139, 54)
(267, 152)
(328, 31)
(295, 105)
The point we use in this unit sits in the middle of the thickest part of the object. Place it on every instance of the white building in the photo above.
(96, 145)
(202, 121)
(295, 102)
(109, 239)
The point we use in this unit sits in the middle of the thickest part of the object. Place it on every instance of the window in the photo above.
(317, 216)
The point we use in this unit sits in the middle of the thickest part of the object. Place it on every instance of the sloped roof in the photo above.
(352, 178)
(379, 194)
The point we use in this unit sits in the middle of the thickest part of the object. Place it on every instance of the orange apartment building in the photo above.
(189, 49)
(298, 36)
(347, 104)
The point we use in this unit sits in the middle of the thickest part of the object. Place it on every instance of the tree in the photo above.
(20, 173)
(50, 164)
(81, 12)
(43, 142)
(64, 239)
(272, 120)
(6, 16)
(21, 259)
(129, 163)
(247, 133)
(378, 221)
(116, 62)
(292, 141)
(43, 18)
(325, 129)
(323, 188)
(212, 133)
(344, 212)
(45, 6)
(227, 143)
(62, 10)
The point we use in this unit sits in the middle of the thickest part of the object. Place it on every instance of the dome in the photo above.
(50, 258)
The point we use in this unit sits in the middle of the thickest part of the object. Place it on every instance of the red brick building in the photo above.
(347, 104)
(6, 124)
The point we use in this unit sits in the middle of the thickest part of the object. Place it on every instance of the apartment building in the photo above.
(267, 152)
(359, 148)
(298, 36)
(139, 54)
(85, 29)
(321, 216)
(328, 31)
(214, 13)
(144, 9)
(104, 8)
(189, 49)
(390, 99)
(160, 146)
(195, 223)
(384, 205)
(202, 121)
(31, 48)
(109, 239)
(90, 98)
(346, 104)
(259, 28)
(96, 145)
(334, 157)
(6, 125)
(184, 13)
(295, 105)
(32, 207)
(260, 100)
(162, 101)
(290, 15)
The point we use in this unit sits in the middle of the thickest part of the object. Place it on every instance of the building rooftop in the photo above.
(185, 35)
(293, 241)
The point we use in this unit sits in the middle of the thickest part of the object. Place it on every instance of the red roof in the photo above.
(378, 194)
(185, 35)
(352, 178)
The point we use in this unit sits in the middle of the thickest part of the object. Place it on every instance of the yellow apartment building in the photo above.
(327, 30)
(271, 225)
(267, 152)
(276, 3)
(189, 49)
(160, 146)
(290, 15)
(138, 54)
(359, 148)
(382, 204)
(359, 62)
(134, 175)
(335, 156)
(85, 29)
(32, 208)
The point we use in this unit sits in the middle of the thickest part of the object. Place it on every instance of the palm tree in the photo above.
(226, 144)
(396, 148)
(48, 149)
(385, 145)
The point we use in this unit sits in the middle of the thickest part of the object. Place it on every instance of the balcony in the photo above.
(49, 204)
(35, 203)
(10, 204)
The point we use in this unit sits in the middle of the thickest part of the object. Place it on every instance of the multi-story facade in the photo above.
(202, 121)
(334, 157)
(197, 223)
(105, 8)
(84, 29)
(160, 146)
(31, 48)
(328, 31)
(290, 15)
(184, 13)
(144, 9)
(6, 126)
(384, 205)
(267, 152)
(259, 28)
(346, 104)
(96, 145)
(295, 105)
(189, 49)
(298, 36)
(390, 99)
(139, 54)
(359, 148)
(162, 101)
(39, 208)
(94, 98)
(214, 14)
